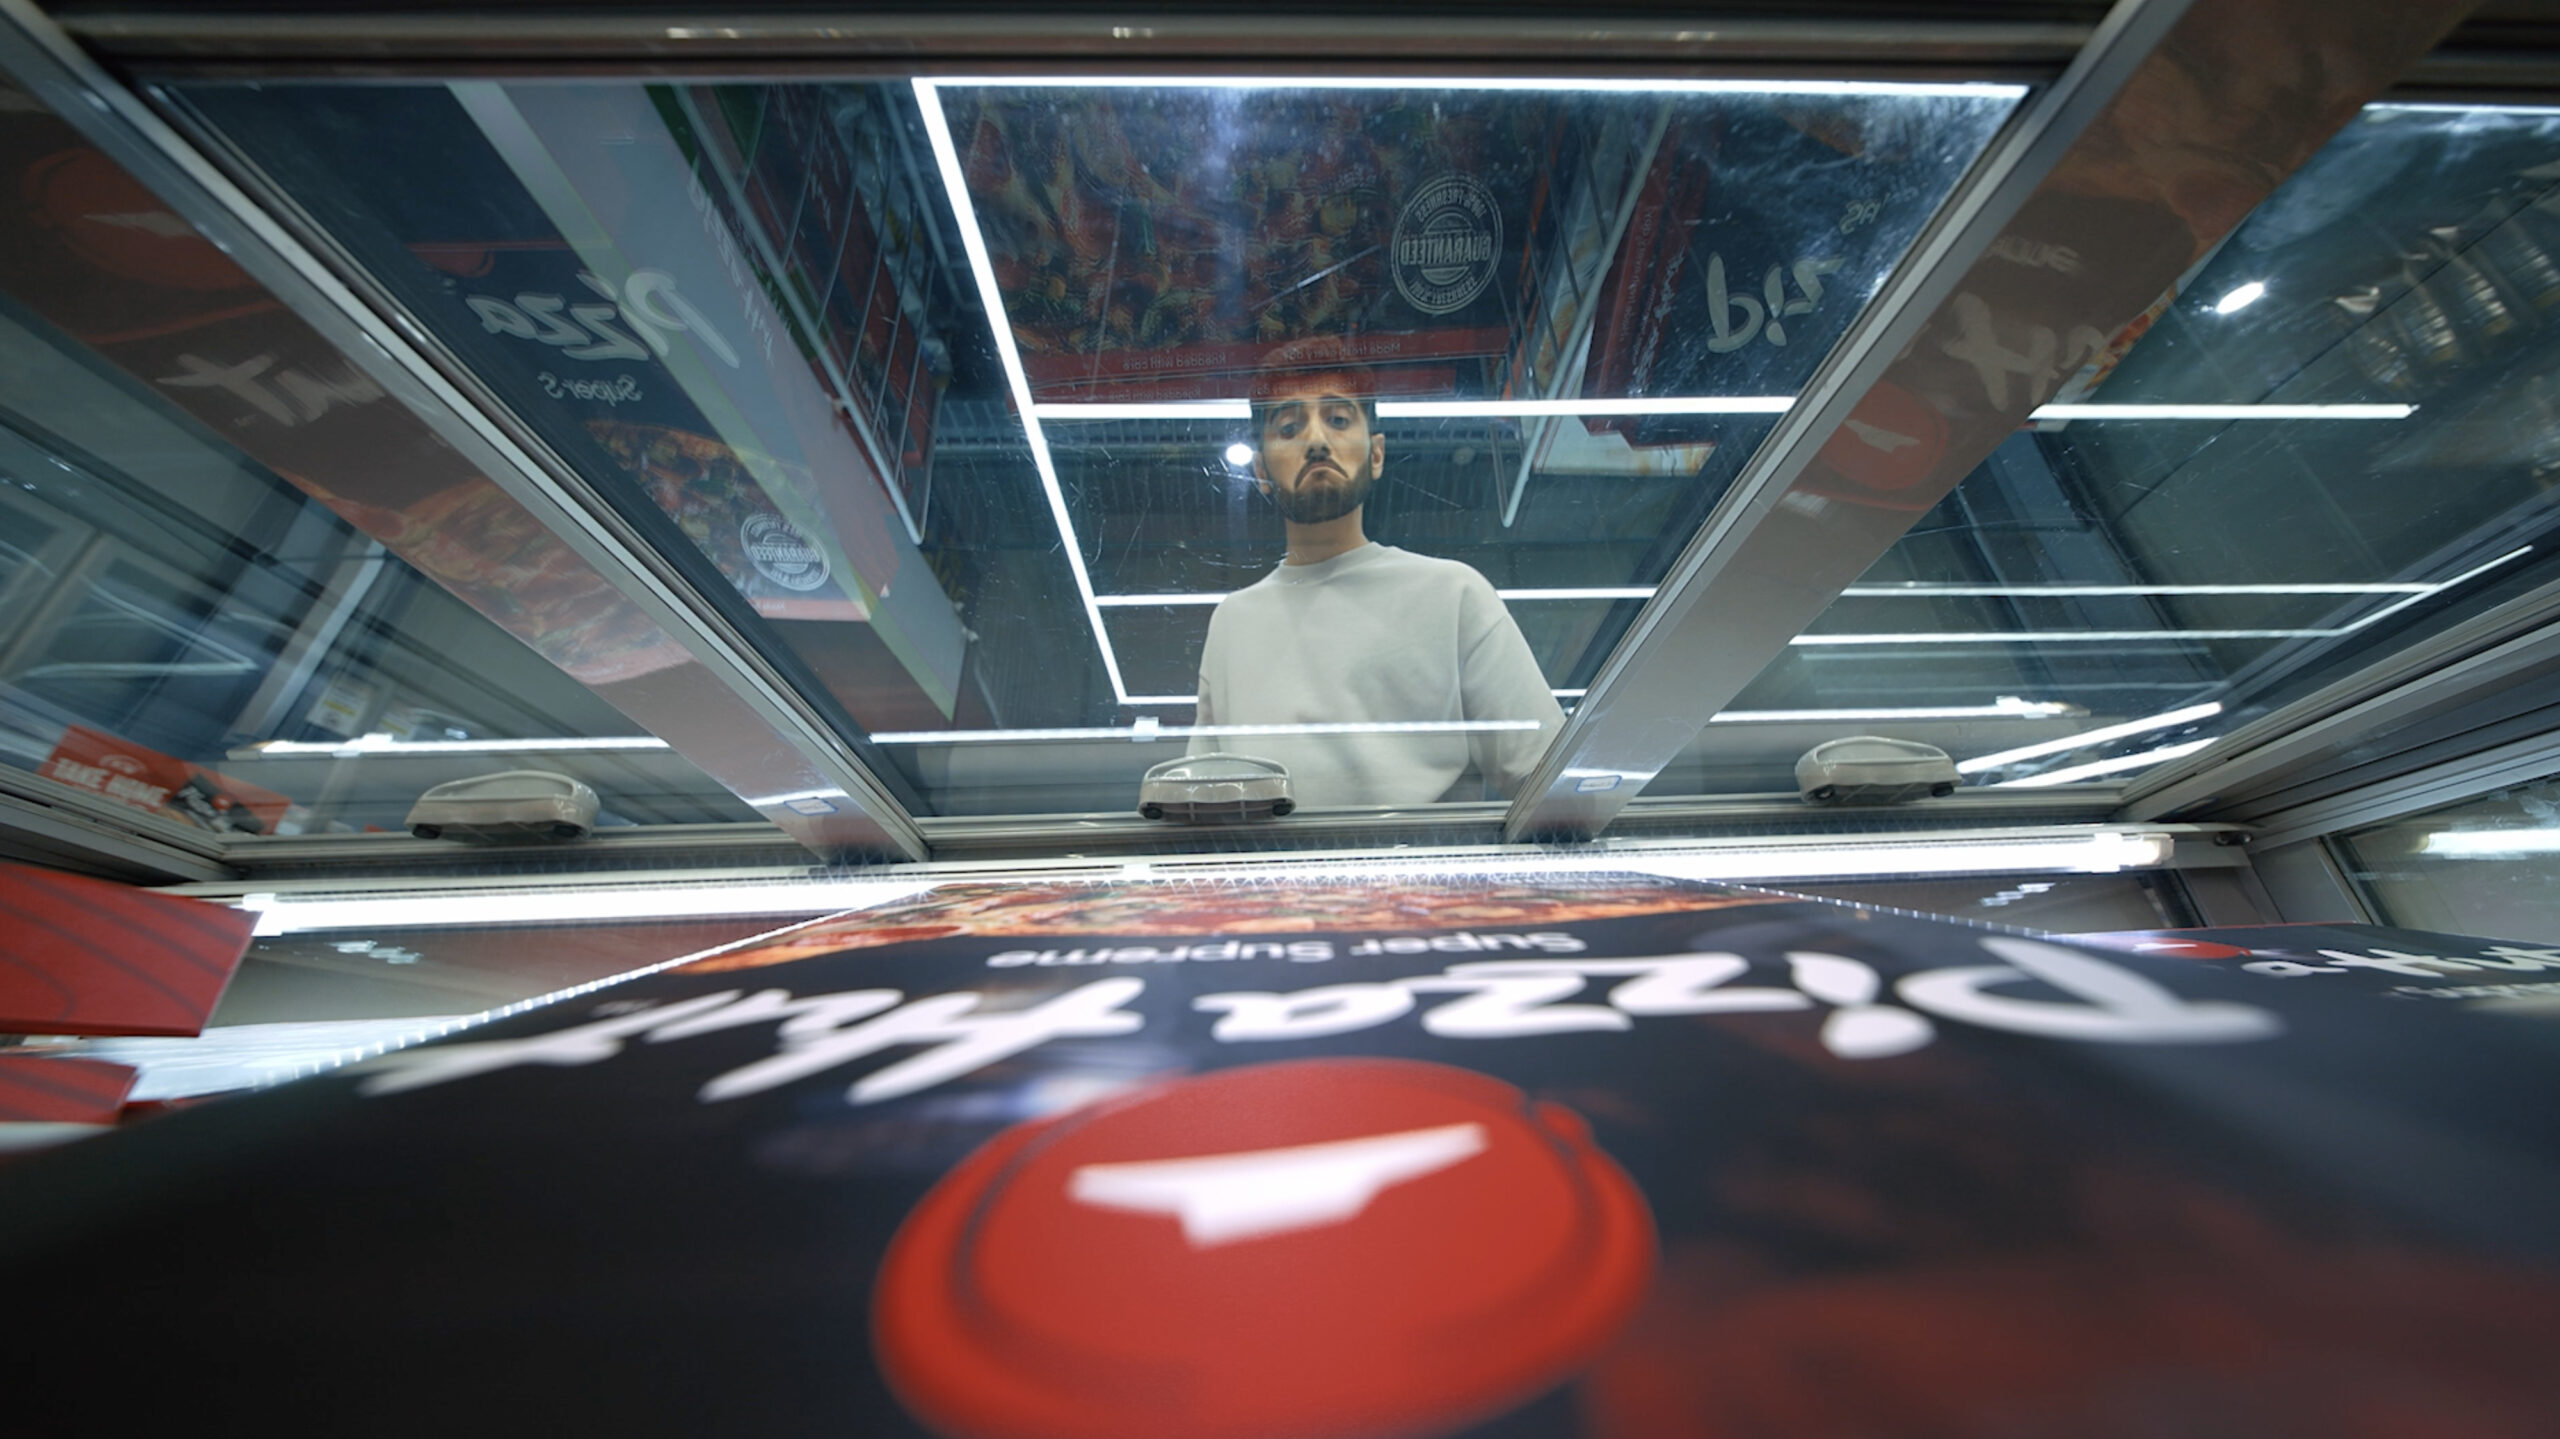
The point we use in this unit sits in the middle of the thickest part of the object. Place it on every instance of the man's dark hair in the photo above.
(1299, 362)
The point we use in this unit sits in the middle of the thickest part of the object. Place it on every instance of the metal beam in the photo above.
(378, 36)
(2451, 782)
(2109, 165)
(2484, 655)
(717, 702)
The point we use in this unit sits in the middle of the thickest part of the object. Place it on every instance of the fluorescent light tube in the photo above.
(1956, 90)
(2491, 843)
(2223, 412)
(283, 914)
(384, 744)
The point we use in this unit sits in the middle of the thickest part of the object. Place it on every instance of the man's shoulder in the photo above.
(1406, 567)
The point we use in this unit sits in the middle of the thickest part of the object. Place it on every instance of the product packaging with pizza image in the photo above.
(1410, 1155)
(1139, 260)
(711, 492)
(145, 779)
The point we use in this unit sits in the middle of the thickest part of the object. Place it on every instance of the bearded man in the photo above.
(1349, 632)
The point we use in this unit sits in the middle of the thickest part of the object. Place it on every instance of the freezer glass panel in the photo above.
(963, 397)
(2335, 437)
(2488, 866)
(191, 624)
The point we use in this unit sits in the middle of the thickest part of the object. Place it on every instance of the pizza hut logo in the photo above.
(1334, 1246)
(1445, 244)
(782, 554)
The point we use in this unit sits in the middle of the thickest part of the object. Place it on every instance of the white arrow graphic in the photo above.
(1221, 1198)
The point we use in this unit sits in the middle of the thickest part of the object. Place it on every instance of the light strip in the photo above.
(2009, 637)
(1900, 592)
(2005, 709)
(1564, 408)
(2085, 738)
(2223, 412)
(2061, 637)
(2031, 592)
(281, 915)
(973, 242)
(1152, 732)
(2095, 768)
(1957, 90)
(385, 744)
(1587, 592)
(1638, 405)
(1173, 410)
(2448, 107)
(2491, 843)
(2103, 853)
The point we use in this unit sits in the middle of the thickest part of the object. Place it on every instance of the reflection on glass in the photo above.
(196, 634)
(945, 386)
(2333, 437)
(2489, 866)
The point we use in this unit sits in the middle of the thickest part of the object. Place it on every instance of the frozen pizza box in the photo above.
(1420, 1154)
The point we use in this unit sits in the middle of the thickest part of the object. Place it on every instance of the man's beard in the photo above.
(1329, 499)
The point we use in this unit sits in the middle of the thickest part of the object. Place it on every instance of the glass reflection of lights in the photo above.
(2491, 843)
(2085, 738)
(2240, 298)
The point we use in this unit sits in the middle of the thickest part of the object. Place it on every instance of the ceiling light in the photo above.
(2491, 843)
(2241, 298)
(385, 744)
(2086, 738)
(1957, 90)
(2223, 412)
(2095, 768)
(973, 243)
(1558, 409)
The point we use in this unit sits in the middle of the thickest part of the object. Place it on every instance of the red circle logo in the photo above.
(1322, 1247)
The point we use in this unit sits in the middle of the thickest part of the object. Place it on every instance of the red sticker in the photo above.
(1337, 1247)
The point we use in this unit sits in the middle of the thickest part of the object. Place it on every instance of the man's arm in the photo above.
(1499, 679)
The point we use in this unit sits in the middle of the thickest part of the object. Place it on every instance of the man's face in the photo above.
(1317, 458)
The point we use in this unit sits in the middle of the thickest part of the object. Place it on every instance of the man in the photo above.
(1346, 631)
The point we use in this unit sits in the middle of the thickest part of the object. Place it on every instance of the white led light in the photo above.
(1150, 730)
(1240, 454)
(2053, 637)
(1167, 410)
(1949, 90)
(2491, 843)
(2223, 412)
(973, 242)
(2085, 738)
(1559, 409)
(2011, 708)
(2103, 853)
(2410, 596)
(384, 744)
(1915, 591)
(2448, 107)
(2095, 768)
(1586, 592)
(278, 914)
(2240, 298)
(2060, 592)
